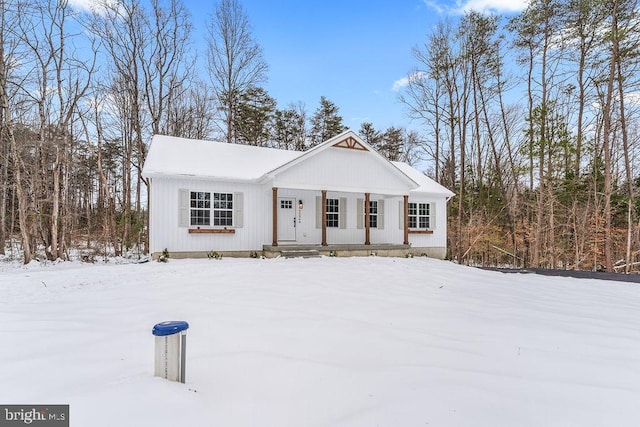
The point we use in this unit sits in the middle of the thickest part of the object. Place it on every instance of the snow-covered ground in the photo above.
(322, 342)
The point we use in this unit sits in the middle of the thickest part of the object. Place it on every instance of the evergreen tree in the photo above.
(392, 143)
(326, 122)
(370, 134)
(289, 128)
(254, 116)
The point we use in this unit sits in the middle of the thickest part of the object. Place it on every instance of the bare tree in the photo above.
(72, 79)
(9, 52)
(235, 60)
(166, 63)
(191, 114)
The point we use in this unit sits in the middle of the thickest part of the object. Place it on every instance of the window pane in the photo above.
(424, 222)
(332, 205)
(226, 200)
(333, 210)
(223, 218)
(199, 202)
(424, 209)
(200, 217)
(286, 204)
(413, 222)
(413, 209)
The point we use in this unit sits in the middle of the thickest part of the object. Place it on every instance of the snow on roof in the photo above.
(427, 185)
(170, 156)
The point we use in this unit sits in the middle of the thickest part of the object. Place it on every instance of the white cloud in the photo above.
(630, 99)
(633, 98)
(97, 6)
(435, 6)
(403, 82)
(482, 6)
(492, 6)
(88, 5)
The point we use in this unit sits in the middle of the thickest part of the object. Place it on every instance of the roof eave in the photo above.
(200, 177)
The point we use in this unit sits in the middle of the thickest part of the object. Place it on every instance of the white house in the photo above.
(340, 196)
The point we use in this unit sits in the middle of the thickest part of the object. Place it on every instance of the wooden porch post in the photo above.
(274, 205)
(367, 224)
(324, 217)
(406, 220)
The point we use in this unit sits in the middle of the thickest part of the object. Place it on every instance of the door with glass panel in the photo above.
(287, 219)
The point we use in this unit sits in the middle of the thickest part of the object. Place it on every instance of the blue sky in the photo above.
(351, 51)
(354, 52)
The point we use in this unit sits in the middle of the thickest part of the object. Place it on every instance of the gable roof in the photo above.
(426, 184)
(347, 140)
(171, 156)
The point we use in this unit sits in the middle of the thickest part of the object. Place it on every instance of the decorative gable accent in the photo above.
(350, 143)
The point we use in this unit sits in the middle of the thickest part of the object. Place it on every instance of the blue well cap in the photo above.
(169, 328)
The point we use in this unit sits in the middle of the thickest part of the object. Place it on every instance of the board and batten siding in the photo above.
(438, 221)
(341, 169)
(168, 229)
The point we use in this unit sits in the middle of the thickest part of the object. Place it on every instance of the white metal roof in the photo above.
(427, 185)
(171, 156)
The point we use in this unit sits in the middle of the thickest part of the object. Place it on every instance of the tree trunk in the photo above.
(606, 143)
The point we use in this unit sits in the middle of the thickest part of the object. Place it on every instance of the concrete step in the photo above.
(300, 253)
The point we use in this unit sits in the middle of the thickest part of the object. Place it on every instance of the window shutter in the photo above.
(380, 214)
(360, 213)
(432, 216)
(318, 212)
(343, 212)
(183, 207)
(401, 214)
(238, 210)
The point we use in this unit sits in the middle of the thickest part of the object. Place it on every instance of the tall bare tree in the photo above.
(234, 60)
(10, 53)
(166, 63)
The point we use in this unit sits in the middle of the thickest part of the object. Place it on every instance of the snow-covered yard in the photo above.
(322, 342)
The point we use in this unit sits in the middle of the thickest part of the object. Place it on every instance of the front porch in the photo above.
(344, 220)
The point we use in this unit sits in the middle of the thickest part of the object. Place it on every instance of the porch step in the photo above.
(300, 253)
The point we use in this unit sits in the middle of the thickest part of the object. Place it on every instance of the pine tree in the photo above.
(289, 128)
(254, 116)
(326, 122)
(370, 134)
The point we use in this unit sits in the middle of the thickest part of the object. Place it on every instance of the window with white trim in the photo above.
(223, 209)
(333, 213)
(201, 210)
(419, 215)
(373, 213)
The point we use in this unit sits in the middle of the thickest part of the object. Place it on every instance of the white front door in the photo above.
(287, 219)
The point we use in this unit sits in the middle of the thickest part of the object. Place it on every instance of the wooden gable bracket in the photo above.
(351, 144)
